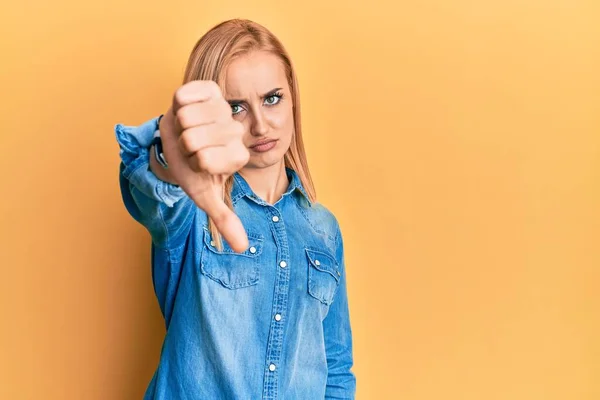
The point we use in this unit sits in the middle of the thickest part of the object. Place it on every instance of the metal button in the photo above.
(275, 218)
(252, 249)
(283, 264)
(317, 262)
(272, 367)
(212, 243)
(277, 317)
(338, 272)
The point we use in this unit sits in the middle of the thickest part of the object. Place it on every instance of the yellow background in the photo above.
(457, 142)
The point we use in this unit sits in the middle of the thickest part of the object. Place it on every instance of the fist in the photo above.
(203, 146)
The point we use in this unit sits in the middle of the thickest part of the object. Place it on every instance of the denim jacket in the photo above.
(270, 323)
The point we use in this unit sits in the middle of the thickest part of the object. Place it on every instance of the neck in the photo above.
(268, 183)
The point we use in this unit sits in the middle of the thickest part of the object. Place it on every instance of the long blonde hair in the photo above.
(209, 60)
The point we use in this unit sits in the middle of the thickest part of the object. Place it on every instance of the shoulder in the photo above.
(322, 219)
(326, 226)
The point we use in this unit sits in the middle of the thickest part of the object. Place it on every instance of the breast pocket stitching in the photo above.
(231, 269)
(323, 275)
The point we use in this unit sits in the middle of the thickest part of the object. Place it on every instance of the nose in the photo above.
(259, 124)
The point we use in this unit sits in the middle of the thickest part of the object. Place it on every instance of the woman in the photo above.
(262, 314)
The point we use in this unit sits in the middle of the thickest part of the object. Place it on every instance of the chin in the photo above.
(265, 160)
(262, 163)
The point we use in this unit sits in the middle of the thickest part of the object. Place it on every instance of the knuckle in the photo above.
(201, 88)
(179, 96)
(204, 161)
(213, 86)
(182, 116)
(187, 140)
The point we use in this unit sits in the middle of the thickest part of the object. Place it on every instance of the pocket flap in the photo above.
(255, 241)
(324, 262)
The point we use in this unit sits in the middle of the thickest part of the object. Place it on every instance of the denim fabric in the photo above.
(270, 323)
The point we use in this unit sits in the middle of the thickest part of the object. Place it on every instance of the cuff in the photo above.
(135, 157)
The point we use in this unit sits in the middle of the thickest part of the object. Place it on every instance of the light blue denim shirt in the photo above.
(270, 323)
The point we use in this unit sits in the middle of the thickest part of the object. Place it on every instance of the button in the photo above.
(275, 218)
(283, 264)
(272, 367)
(252, 249)
(338, 272)
(212, 243)
(277, 317)
(317, 262)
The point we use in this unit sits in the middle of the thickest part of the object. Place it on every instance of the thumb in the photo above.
(227, 222)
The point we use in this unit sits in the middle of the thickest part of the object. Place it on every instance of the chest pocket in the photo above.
(323, 275)
(232, 270)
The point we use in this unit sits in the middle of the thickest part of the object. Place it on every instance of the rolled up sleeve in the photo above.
(162, 207)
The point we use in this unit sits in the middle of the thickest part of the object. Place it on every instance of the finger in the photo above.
(194, 92)
(200, 137)
(209, 112)
(221, 160)
(227, 222)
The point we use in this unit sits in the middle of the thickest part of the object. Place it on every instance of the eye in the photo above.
(236, 109)
(273, 99)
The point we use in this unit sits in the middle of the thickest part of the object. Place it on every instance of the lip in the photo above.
(262, 142)
(263, 145)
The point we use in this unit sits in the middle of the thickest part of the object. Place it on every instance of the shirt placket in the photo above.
(279, 307)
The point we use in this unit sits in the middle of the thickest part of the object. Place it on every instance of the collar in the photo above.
(241, 188)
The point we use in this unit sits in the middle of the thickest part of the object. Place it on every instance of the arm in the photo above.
(341, 381)
(162, 207)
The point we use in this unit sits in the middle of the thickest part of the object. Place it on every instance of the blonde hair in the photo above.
(209, 60)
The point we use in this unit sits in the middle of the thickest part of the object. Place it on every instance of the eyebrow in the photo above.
(240, 101)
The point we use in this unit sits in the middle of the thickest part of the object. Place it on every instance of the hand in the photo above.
(203, 146)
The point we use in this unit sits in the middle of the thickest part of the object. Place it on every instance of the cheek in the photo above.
(283, 120)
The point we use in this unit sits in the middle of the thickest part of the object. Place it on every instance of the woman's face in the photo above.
(256, 87)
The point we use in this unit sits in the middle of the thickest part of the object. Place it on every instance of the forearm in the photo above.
(155, 203)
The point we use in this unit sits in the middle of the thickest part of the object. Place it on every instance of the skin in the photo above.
(249, 78)
(208, 135)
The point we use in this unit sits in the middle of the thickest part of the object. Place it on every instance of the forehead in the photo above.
(254, 74)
